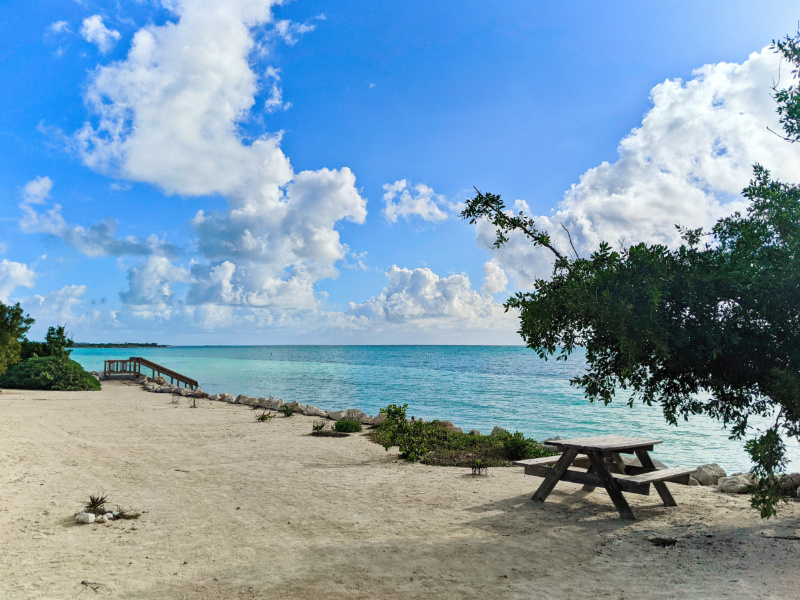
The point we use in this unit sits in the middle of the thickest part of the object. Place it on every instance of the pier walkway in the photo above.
(134, 364)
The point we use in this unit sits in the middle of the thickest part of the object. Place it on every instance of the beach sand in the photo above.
(234, 508)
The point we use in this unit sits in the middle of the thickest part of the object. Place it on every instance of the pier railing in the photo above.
(134, 364)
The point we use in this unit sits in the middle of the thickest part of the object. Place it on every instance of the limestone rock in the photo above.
(337, 415)
(693, 481)
(498, 431)
(297, 407)
(709, 474)
(101, 519)
(109, 516)
(365, 419)
(214, 397)
(737, 484)
(274, 404)
(379, 419)
(313, 411)
(635, 462)
(788, 484)
(199, 393)
(85, 518)
(226, 397)
(549, 447)
(474, 432)
(185, 392)
(159, 380)
(448, 425)
(246, 400)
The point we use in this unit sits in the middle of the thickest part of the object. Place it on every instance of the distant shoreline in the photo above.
(120, 345)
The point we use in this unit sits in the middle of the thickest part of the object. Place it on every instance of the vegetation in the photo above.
(264, 417)
(56, 343)
(286, 410)
(712, 327)
(13, 327)
(434, 444)
(120, 345)
(347, 426)
(49, 373)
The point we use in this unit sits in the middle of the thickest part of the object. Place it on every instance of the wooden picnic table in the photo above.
(602, 456)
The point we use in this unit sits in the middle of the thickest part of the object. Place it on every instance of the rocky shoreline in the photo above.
(711, 475)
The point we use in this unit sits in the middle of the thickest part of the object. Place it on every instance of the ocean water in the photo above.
(476, 387)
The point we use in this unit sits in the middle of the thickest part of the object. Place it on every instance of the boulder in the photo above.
(246, 400)
(379, 419)
(549, 447)
(365, 419)
(297, 407)
(338, 415)
(313, 411)
(736, 484)
(474, 432)
(635, 462)
(185, 392)
(448, 425)
(274, 404)
(101, 519)
(159, 380)
(199, 393)
(85, 518)
(709, 474)
(109, 516)
(693, 481)
(498, 431)
(213, 397)
(789, 484)
(226, 397)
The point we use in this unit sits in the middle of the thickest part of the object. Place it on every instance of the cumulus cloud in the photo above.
(59, 27)
(169, 114)
(14, 275)
(495, 278)
(58, 306)
(402, 200)
(97, 239)
(420, 296)
(685, 164)
(94, 31)
(150, 285)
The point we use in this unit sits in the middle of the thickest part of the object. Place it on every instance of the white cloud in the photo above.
(402, 200)
(59, 27)
(420, 297)
(150, 285)
(187, 86)
(98, 239)
(495, 278)
(94, 31)
(57, 306)
(275, 101)
(686, 164)
(289, 31)
(14, 275)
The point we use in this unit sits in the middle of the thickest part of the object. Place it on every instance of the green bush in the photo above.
(433, 444)
(286, 410)
(49, 373)
(347, 426)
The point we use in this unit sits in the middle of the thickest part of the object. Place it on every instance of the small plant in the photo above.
(347, 426)
(286, 411)
(265, 416)
(121, 513)
(97, 504)
(318, 425)
(479, 467)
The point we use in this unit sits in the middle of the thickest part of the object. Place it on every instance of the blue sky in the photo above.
(329, 146)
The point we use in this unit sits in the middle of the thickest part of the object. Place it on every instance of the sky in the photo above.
(259, 172)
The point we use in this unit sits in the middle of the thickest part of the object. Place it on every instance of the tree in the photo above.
(14, 324)
(56, 343)
(709, 328)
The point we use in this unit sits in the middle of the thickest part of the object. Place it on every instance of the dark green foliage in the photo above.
(97, 504)
(56, 344)
(329, 433)
(788, 99)
(14, 324)
(286, 411)
(49, 373)
(318, 425)
(347, 426)
(435, 445)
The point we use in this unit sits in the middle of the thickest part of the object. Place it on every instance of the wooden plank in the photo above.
(619, 462)
(552, 478)
(590, 479)
(674, 474)
(660, 486)
(614, 443)
(588, 487)
(579, 461)
(611, 485)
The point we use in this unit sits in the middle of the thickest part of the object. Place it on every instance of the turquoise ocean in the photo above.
(476, 387)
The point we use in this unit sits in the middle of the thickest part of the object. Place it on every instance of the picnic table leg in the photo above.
(619, 462)
(587, 487)
(611, 485)
(660, 486)
(555, 474)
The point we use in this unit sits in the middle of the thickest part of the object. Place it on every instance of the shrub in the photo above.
(49, 373)
(517, 446)
(286, 411)
(265, 416)
(347, 426)
(318, 425)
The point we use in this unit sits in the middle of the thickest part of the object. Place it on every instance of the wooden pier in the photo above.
(134, 364)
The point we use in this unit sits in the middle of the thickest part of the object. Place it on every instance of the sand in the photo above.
(234, 508)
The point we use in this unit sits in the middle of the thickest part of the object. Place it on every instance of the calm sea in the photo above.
(476, 387)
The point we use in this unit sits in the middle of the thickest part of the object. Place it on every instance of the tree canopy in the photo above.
(711, 327)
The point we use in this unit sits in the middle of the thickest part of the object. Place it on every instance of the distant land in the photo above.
(120, 345)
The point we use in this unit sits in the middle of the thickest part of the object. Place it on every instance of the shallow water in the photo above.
(476, 387)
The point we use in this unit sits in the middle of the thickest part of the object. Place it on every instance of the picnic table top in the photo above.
(606, 443)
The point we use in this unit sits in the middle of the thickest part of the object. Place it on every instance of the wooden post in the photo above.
(553, 476)
(610, 484)
(660, 486)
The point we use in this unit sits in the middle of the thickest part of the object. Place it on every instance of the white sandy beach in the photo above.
(233, 508)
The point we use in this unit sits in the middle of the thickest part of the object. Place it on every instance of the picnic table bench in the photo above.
(601, 456)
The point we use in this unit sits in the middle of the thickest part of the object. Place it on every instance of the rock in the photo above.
(788, 484)
(199, 393)
(159, 380)
(635, 462)
(379, 419)
(709, 474)
(313, 411)
(85, 518)
(693, 481)
(549, 447)
(737, 484)
(226, 397)
(101, 519)
(274, 404)
(498, 431)
(798, 492)
(365, 419)
(214, 397)
(246, 400)
(297, 407)
(474, 432)
(185, 392)
(447, 425)
(337, 415)
(109, 516)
